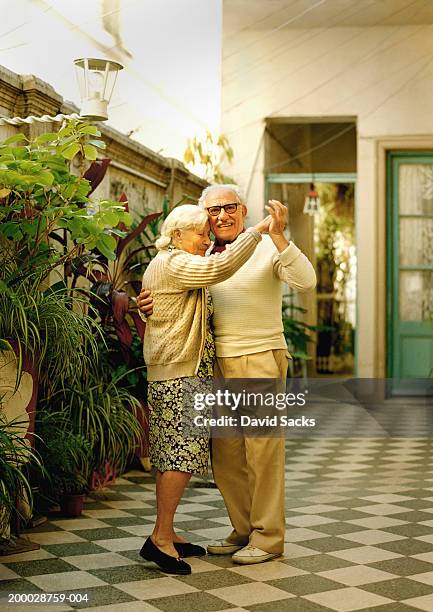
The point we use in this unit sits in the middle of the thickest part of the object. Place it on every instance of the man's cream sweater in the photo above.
(176, 331)
(247, 306)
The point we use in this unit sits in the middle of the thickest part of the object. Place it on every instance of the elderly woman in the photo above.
(178, 345)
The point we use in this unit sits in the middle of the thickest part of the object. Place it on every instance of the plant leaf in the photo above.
(92, 130)
(123, 243)
(106, 245)
(96, 172)
(90, 152)
(13, 139)
(70, 151)
(100, 144)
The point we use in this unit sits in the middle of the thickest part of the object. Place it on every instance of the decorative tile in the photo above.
(287, 605)
(79, 523)
(105, 559)
(119, 544)
(101, 534)
(99, 597)
(105, 513)
(42, 566)
(301, 535)
(127, 521)
(425, 577)
(62, 581)
(382, 509)
(252, 593)
(204, 581)
(306, 584)
(404, 566)
(424, 602)
(78, 548)
(356, 575)
(308, 520)
(32, 555)
(127, 573)
(191, 602)
(371, 537)
(272, 570)
(55, 537)
(152, 589)
(7, 574)
(399, 588)
(294, 551)
(348, 599)
(318, 563)
(330, 544)
(408, 546)
(130, 606)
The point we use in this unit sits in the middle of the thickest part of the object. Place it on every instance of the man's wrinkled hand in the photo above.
(145, 302)
(279, 214)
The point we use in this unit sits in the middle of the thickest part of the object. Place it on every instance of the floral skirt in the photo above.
(172, 447)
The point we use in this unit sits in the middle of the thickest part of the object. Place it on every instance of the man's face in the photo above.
(225, 226)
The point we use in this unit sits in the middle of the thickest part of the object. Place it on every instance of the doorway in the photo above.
(332, 249)
(410, 272)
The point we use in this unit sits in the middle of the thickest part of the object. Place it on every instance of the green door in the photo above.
(410, 272)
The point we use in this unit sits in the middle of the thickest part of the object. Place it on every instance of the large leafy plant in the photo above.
(47, 219)
(39, 196)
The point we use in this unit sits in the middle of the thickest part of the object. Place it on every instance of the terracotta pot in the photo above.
(72, 505)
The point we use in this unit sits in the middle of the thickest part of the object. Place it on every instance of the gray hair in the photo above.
(183, 217)
(220, 187)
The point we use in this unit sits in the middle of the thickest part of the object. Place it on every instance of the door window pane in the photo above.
(416, 241)
(416, 296)
(416, 189)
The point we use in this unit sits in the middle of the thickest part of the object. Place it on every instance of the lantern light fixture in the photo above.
(312, 201)
(96, 81)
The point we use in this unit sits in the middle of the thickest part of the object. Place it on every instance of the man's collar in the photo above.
(216, 247)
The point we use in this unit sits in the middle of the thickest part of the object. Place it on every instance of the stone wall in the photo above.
(142, 174)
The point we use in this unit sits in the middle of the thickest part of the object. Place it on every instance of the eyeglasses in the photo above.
(214, 211)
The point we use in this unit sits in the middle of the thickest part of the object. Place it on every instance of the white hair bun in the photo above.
(162, 242)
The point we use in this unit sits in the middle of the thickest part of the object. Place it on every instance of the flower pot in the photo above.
(72, 505)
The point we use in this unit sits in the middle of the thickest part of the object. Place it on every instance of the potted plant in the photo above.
(66, 458)
(15, 490)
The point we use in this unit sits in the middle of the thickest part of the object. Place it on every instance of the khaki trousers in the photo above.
(249, 472)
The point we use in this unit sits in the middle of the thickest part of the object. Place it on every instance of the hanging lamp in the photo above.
(312, 202)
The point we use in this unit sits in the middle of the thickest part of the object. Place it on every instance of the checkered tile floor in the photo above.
(359, 537)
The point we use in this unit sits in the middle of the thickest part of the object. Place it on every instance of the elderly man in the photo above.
(249, 471)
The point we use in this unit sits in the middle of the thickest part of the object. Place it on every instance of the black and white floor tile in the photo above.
(359, 536)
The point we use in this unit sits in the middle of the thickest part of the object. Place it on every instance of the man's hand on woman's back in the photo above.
(145, 302)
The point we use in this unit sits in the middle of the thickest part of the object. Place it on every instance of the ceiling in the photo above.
(242, 15)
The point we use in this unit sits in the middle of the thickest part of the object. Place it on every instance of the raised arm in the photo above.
(192, 271)
(294, 268)
(290, 264)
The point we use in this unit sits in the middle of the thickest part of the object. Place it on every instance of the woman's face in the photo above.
(195, 241)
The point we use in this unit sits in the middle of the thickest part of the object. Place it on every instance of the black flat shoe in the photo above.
(186, 549)
(166, 563)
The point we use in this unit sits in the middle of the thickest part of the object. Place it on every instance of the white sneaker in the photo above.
(250, 554)
(222, 547)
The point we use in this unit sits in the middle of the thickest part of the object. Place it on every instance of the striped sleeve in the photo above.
(192, 271)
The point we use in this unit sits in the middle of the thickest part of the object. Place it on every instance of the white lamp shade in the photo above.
(96, 80)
